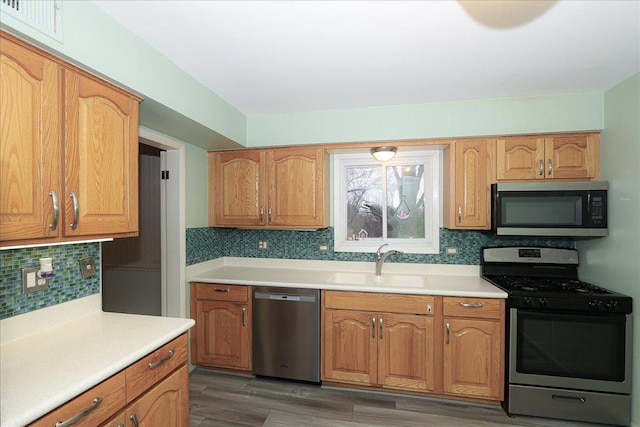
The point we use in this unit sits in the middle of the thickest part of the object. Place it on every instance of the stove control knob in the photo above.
(596, 304)
(543, 302)
(527, 301)
(612, 305)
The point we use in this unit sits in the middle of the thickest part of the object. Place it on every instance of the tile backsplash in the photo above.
(66, 285)
(207, 243)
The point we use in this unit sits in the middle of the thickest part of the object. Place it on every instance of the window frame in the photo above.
(430, 244)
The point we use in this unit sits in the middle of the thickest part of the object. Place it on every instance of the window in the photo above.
(396, 202)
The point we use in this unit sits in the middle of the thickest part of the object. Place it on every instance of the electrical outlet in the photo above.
(323, 247)
(263, 244)
(451, 250)
(31, 282)
(87, 267)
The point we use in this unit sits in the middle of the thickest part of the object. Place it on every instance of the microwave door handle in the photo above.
(541, 164)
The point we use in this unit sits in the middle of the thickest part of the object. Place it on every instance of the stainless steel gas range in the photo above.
(569, 342)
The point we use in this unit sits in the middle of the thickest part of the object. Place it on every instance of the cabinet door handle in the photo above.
(541, 164)
(470, 305)
(221, 290)
(262, 214)
(269, 214)
(373, 327)
(381, 328)
(96, 402)
(76, 211)
(135, 420)
(244, 312)
(448, 337)
(459, 213)
(550, 167)
(56, 210)
(153, 365)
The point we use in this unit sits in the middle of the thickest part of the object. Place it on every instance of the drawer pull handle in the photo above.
(153, 365)
(576, 399)
(96, 402)
(468, 305)
(221, 290)
(135, 420)
(244, 313)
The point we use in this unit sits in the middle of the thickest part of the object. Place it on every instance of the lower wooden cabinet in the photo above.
(222, 335)
(390, 349)
(153, 391)
(474, 348)
(444, 346)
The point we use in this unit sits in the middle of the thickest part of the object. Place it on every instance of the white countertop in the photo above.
(42, 367)
(424, 279)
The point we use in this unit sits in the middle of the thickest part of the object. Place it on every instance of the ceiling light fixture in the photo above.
(383, 154)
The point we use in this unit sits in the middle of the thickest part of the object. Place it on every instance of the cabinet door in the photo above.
(29, 143)
(296, 187)
(166, 404)
(350, 347)
(405, 351)
(472, 191)
(238, 196)
(572, 156)
(117, 421)
(519, 158)
(101, 155)
(473, 361)
(223, 337)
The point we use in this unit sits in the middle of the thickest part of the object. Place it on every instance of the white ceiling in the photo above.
(267, 57)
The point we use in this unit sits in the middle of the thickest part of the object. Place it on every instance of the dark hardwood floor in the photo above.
(222, 399)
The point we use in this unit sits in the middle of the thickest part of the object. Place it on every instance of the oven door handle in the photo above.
(568, 398)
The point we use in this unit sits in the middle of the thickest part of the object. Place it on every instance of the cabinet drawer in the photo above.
(111, 391)
(153, 367)
(487, 308)
(237, 293)
(378, 302)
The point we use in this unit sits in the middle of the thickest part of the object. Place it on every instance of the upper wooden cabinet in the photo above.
(569, 156)
(275, 188)
(468, 172)
(68, 152)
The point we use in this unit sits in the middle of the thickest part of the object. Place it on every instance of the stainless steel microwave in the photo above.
(550, 209)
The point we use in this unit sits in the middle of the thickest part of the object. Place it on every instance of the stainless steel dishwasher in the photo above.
(286, 333)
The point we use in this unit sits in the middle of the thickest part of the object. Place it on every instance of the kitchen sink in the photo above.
(402, 280)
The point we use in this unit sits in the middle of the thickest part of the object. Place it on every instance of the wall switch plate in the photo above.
(31, 282)
(323, 247)
(87, 267)
(451, 250)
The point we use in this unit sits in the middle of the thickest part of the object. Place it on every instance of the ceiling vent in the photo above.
(43, 15)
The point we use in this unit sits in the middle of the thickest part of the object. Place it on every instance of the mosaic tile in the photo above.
(66, 285)
(209, 243)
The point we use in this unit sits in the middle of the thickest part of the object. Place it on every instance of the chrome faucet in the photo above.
(381, 257)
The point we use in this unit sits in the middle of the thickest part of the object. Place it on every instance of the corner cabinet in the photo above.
(474, 347)
(153, 391)
(382, 340)
(68, 151)
(277, 188)
(469, 168)
(222, 335)
(564, 156)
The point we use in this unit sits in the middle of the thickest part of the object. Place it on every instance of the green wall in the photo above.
(197, 178)
(504, 116)
(614, 261)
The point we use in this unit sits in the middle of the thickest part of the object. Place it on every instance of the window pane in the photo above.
(405, 199)
(364, 201)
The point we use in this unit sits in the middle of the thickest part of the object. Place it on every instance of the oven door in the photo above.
(582, 351)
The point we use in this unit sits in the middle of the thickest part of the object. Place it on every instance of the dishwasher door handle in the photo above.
(285, 297)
